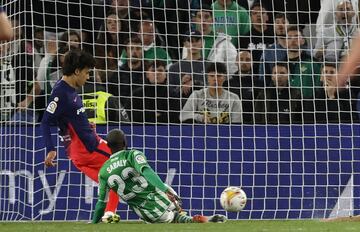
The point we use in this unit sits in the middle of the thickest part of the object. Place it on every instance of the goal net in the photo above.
(215, 95)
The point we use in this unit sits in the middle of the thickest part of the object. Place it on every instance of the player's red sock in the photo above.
(113, 202)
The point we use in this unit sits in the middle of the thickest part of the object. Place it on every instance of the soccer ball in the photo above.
(233, 199)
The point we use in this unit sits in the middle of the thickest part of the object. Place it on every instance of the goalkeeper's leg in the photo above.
(183, 218)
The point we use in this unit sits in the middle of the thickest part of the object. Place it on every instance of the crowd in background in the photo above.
(222, 61)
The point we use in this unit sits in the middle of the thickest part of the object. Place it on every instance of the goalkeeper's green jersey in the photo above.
(123, 173)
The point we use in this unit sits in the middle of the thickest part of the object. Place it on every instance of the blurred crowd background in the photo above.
(188, 61)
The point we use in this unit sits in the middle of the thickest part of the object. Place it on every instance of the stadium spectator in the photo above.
(129, 14)
(244, 84)
(70, 39)
(261, 34)
(130, 76)
(217, 47)
(304, 70)
(275, 52)
(177, 21)
(100, 106)
(278, 103)
(187, 74)
(335, 40)
(162, 207)
(151, 103)
(38, 46)
(327, 15)
(6, 31)
(231, 19)
(147, 33)
(19, 43)
(26, 87)
(7, 83)
(110, 42)
(333, 105)
(49, 63)
(213, 104)
(55, 71)
(84, 147)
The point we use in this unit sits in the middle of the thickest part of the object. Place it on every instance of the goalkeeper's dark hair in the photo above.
(77, 59)
(116, 140)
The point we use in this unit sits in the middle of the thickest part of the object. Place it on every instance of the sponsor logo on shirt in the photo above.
(81, 110)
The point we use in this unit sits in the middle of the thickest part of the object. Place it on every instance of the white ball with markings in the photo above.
(233, 199)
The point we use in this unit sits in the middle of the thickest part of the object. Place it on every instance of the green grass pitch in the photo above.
(241, 226)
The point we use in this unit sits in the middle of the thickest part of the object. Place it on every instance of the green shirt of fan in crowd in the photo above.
(231, 19)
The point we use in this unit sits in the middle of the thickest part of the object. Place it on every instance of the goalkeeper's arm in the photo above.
(155, 180)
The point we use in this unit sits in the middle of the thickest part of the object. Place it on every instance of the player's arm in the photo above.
(141, 165)
(155, 180)
(101, 203)
(50, 117)
(350, 63)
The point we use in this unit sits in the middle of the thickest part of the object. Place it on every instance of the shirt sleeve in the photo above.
(53, 111)
(154, 179)
(139, 161)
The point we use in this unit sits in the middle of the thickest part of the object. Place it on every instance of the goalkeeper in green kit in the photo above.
(129, 175)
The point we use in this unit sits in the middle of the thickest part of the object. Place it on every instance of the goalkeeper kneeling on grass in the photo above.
(128, 173)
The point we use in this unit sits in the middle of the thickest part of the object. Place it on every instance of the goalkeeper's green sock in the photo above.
(182, 218)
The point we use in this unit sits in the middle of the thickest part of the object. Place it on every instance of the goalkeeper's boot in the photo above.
(217, 218)
(199, 219)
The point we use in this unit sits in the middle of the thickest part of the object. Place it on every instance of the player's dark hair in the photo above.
(116, 140)
(77, 59)
(217, 68)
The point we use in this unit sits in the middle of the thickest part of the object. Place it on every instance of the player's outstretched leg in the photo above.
(183, 218)
(110, 215)
(113, 202)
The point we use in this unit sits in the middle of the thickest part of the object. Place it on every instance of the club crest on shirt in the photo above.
(140, 159)
(51, 107)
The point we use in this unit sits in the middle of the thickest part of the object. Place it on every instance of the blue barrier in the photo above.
(297, 171)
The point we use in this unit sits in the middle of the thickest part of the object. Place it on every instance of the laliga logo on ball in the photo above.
(233, 199)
